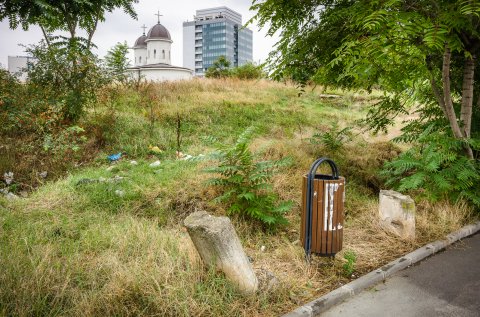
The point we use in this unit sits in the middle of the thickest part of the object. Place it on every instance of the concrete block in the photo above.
(420, 254)
(395, 266)
(397, 213)
(321, 304)
(218, 245)
(438, 245)
(366, 281)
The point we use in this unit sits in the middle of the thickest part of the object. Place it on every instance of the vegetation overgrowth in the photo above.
(421, 53)
(96, 238)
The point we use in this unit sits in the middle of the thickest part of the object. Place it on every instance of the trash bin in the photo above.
(322, 217)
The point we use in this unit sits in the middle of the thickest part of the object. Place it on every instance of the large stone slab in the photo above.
(397, 213)
(217, 243)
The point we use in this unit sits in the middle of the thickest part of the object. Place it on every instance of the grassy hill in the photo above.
(99, 239)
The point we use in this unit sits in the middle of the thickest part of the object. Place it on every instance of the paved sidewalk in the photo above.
(446, 284)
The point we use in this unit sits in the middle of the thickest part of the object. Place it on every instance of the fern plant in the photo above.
(245, 182)
(437, 167)
(334, 138)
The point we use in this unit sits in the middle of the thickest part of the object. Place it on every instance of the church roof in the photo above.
(158, 32)
(140, 42)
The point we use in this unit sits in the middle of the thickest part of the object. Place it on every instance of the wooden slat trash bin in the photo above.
(322, 217)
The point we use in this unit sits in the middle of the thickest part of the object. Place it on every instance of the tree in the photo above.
(398, 45)
(76, 63)
(69, 16)
(219, 69)
(117, 62)
(421, 53)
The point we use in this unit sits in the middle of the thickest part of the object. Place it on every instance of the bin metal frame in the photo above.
(329, 239)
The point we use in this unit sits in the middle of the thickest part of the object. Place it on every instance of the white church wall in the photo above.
(163, 74)
(17, 66)
(159, 51)
(140, 56)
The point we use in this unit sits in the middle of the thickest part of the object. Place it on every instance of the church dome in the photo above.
(140, 42)
(158, 32)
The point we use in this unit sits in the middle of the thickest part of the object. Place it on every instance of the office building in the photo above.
(215, 32)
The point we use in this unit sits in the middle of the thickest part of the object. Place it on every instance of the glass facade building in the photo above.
(216, 32)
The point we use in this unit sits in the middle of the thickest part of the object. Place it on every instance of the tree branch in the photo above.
(436, 92)
(45, 35)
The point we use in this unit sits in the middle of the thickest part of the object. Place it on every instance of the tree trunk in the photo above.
(218, 245)
(92, 31)
(452, 118)
(467, 96)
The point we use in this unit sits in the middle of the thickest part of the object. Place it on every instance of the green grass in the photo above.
(76, 247)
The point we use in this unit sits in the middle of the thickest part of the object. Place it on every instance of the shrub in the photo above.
(246, 183)
(219, 69)
(334, 139)
(117, 63)
(69, 76)
(248, 71)
(437, 167)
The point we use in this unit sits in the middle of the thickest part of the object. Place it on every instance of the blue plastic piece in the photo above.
(114, 157)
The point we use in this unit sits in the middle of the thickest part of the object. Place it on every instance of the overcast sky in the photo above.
(119, 27)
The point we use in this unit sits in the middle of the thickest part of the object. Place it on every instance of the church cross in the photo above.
(143, 27)
(158, 15)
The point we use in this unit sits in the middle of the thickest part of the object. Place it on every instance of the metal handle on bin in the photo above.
(308, 218)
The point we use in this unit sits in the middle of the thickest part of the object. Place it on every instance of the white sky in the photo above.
(119, 27)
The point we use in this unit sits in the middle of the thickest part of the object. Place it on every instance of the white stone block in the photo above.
(397, 213)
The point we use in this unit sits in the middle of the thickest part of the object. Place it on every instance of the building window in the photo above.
(154, 54)
(140, 59)
(163, 54)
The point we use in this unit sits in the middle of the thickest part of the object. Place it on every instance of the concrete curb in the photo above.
(322, 304)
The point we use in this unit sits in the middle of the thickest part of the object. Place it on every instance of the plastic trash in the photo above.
(114, 157)
(155, 164)
(155, 149)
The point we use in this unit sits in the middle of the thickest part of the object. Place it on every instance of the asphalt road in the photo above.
(446, 284)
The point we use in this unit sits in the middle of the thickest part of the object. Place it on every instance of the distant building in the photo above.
(153, 56)
(18, 65)
(213, 33)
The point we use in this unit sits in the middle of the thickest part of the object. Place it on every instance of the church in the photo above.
(153, 56)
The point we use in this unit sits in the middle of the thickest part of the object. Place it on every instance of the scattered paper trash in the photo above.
(114, 157)
(263, 248)
(155, 164)
(8, 176)
(119, 193)
(43, 174)
(116, 179)
(155, 149)
(11, 196)
(133, 162)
